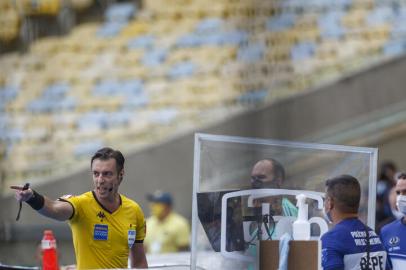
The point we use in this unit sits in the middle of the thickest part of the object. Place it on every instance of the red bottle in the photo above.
(49, 256)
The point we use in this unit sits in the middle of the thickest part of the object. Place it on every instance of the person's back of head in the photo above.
(387, 171)
(345, 190)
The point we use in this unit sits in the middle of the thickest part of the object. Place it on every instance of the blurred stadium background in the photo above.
(144, 76)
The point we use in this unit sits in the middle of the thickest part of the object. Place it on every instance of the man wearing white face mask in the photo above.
(393, 235)
(350, 244)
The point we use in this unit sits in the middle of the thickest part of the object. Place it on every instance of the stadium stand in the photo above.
(145, 74)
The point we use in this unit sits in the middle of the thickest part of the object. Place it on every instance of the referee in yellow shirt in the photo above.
(107, 227)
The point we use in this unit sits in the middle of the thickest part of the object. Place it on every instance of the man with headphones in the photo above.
(107, 227)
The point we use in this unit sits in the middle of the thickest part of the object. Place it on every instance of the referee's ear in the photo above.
(121, 175)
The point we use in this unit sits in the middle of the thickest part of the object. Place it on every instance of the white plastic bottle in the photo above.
(301, 227)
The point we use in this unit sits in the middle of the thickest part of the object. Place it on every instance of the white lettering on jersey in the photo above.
(358, 261)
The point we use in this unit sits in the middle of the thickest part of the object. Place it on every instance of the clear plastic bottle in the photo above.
(301, 227)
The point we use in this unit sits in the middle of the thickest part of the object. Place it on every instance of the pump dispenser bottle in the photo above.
(301, 227)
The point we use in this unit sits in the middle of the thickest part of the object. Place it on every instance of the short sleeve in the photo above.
(331, 257)
(75, 202)
(183, 234)
(141, 226)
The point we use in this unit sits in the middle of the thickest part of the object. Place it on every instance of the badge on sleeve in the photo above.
(131, 236)
(100, 232)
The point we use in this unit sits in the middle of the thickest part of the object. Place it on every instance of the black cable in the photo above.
(25, 187)
(368, 246)
(267, 220)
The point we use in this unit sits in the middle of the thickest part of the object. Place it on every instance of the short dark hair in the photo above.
(385, 166)
(401, 176)
(346, 192)
(108, 153)
(279, 170)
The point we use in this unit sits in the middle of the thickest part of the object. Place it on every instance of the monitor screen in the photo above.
(209, 212)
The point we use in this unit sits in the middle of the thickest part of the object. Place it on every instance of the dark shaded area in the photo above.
(209, 212)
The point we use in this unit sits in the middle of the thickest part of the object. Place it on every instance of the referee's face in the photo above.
(106, 179)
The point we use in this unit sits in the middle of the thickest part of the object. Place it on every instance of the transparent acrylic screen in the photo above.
(223, 164)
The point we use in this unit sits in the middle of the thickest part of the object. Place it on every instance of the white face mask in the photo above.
(327, 215)
(401, 203)
(397, 214)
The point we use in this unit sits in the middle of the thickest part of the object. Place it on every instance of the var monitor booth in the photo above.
(238, 217)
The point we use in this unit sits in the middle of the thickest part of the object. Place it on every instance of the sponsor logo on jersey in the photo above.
(100, 232)
(394, 241)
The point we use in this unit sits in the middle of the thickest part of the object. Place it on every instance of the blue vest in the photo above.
(345, 247)
(393, 238)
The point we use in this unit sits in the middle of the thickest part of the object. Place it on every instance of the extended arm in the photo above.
(58, 210)
(137, 256)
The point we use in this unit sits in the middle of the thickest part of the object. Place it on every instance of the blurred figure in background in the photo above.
(168, 231)
(393, 235)
(386, 182)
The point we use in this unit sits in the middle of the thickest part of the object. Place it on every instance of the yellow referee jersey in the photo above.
(102, 239)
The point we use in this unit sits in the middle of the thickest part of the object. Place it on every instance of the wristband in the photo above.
(36, 201)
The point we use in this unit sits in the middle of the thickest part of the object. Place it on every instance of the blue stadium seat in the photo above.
(253, 97)
(330, 25)
(120, 12)
(303, 51)
(380, 15)
(399, 28)
(92, 120)
(209, 25)
(154, 57)
(189, 40)
(127, 88)
(182, 69)
(209, 32)
(87, 148)
(394, 48)
(136, 102)
(164, 116)
(280, 22)
(142, 42)
(236, 37)
(7, 94)
(119, 118)
(110, 29)
(11, 135)
(53, 99)
(56, 91)
(251, 53)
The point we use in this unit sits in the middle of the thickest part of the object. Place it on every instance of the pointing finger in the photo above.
(17, 187)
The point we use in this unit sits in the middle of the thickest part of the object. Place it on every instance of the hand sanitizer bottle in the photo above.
(301, 227)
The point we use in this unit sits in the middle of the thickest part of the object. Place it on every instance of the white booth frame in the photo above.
(200, 138)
